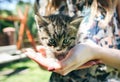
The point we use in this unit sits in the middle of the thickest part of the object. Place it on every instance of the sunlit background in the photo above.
(14, 65)
(12, 4)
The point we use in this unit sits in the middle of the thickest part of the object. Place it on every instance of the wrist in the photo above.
(96, 52)
(108, 56)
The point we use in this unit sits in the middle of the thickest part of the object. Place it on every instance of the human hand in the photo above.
(80, 57)
(77, 58)
(41, 59)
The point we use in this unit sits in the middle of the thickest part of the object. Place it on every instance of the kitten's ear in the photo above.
(76, 22)
(40, 20)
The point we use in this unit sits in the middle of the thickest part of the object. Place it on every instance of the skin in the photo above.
(78, 58)
(84, 53)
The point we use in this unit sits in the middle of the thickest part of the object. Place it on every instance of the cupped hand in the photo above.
(40, 58)
(78, 57)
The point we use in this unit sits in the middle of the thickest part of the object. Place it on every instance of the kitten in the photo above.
(57, 33)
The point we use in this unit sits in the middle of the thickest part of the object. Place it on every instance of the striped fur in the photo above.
(57, 32)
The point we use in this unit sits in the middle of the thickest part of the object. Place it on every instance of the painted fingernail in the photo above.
(51, 69)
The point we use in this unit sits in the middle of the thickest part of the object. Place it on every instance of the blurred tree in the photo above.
(6, 11)
(10, 8)
(5, 23)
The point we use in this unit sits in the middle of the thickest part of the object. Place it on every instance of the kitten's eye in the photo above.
(52, 42)
(40, 26)
(65, 42)
(72, 38)
(43, 38)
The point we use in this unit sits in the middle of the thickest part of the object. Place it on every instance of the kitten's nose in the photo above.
(58, 49)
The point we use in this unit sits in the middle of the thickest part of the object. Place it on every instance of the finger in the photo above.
(55, 66)
(38, 59)
(42, 50)
(67, 69)
(47, 63)
(89, 64)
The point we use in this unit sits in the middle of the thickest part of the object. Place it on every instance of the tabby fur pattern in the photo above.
(57, 33)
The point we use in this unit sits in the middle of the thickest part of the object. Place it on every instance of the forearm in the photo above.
(108, 56)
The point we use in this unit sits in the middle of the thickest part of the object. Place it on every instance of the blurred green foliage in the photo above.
(23, 71)
(5, 23)
(30, 22)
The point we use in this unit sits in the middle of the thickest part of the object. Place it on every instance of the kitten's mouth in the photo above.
(60, 56)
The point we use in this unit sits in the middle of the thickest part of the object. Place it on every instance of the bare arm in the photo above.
(83, 53)
(108, 56)
(78, 56)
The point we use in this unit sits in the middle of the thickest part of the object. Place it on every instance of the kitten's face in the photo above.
(57, 32)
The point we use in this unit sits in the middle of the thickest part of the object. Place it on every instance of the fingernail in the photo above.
(51, 69)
